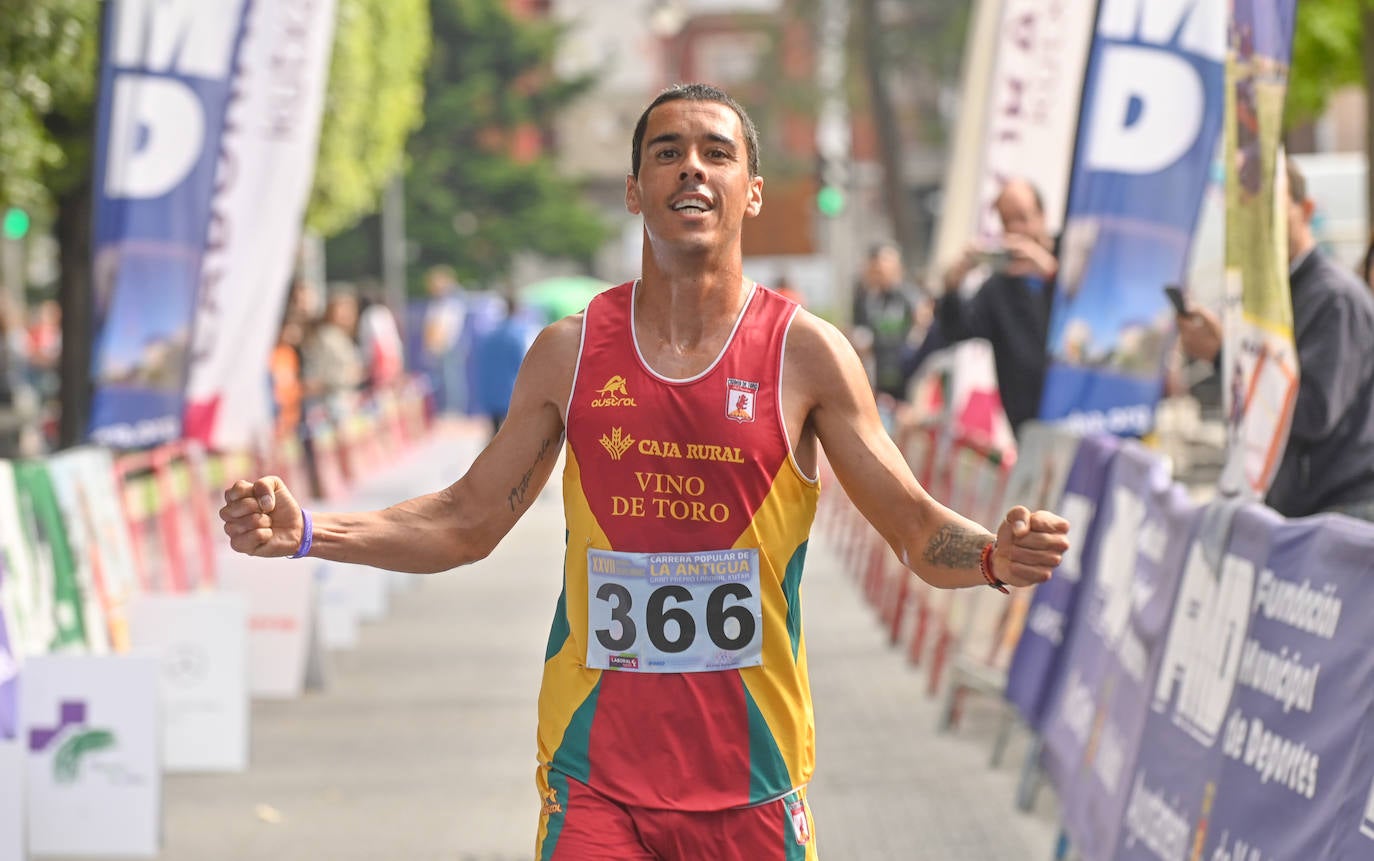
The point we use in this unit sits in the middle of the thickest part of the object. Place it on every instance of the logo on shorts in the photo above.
(615, 393)
(623, 662)
(617, 443)
(551, 805)
(796, 811)
(740, 396)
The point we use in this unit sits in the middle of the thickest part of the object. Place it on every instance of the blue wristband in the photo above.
(307, 536)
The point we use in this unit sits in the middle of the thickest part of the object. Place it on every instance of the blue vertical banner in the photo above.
(1050, 622)
(165, 87)
(1148, 130)
(1093, 727)
(1257, 743)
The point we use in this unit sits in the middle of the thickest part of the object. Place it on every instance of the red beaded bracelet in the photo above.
(985, 566)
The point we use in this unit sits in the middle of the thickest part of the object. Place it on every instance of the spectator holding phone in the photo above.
(1011, 309)
(1328, 464)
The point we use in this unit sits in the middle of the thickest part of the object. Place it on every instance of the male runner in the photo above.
(675, 714)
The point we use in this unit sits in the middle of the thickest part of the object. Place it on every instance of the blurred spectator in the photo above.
(1011, 309)
(1367, 266)
(45, 348)
(12, 386)
(1328, 464)
(331, 365)
(496, 354)
(785, 287)
(443, 324)
(883, 317)
(379, 340)
(284, 365)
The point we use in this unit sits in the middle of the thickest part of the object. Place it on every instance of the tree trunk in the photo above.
(75, 294)
(875, 62)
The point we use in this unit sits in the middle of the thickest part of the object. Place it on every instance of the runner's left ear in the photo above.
(755, 197)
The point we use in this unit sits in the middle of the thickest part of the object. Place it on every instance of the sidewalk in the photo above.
(421, 745)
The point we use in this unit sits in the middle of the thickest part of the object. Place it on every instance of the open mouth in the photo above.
(691, 204)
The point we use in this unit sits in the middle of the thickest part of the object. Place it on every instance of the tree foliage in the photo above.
(474, 200)
(373, 102)
(1326, 54)
(47, 84)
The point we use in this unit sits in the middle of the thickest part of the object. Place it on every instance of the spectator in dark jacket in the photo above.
(883, 316)
(1011, 310)
(1328, 464)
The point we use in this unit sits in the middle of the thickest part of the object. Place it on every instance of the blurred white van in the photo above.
(1336, 183)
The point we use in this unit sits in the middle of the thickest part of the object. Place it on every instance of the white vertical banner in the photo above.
(959, 197)
(267, 164)
(1033, 98)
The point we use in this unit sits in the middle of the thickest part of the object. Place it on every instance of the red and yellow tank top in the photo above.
(689, 489)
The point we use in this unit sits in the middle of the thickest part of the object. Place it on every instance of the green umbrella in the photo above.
(559, 297)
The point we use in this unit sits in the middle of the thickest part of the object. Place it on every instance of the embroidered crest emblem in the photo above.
(616, 443)
(740, 396)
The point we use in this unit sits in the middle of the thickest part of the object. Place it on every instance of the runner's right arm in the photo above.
(438, 531)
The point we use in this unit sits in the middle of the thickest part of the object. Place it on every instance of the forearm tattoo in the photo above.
(955, 547)
(516, 497)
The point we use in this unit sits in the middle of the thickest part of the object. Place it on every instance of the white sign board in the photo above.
(281, 617)
(338, 610)
(11, 800)
(202, 640)
(89, 725)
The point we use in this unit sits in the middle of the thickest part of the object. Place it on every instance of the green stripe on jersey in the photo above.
(767, 772)
(791, 591)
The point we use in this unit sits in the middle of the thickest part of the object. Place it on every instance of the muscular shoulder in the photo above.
(818, 357)
(552, 360)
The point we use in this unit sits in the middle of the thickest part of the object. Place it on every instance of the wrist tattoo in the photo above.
(955, 547)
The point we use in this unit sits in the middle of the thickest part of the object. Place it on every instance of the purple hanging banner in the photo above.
(1257, 747)
(1092, 729)
(1050, 621)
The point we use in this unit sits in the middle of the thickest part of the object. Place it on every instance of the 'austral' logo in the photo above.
(614, 394)
(79, 742)
(617, 444)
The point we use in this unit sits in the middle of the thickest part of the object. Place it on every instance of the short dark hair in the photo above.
(697, 93)
(877, 248)
(1297, 183)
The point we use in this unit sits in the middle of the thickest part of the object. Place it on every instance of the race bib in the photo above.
(673, 612)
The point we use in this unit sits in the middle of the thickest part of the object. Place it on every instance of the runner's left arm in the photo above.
(937, 543)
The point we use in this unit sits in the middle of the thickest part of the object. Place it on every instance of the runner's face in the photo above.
(694, 186)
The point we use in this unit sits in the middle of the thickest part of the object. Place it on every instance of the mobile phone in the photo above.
(995, 258)
(1175, 294)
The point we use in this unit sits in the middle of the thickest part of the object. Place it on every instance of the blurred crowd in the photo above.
(29, 381)
(339, 344)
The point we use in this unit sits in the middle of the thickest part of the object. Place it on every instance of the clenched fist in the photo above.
(262, 518)
(1029, 546)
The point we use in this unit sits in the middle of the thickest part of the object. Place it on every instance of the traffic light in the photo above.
(830, 200)
(15, 224)
(832, 177)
